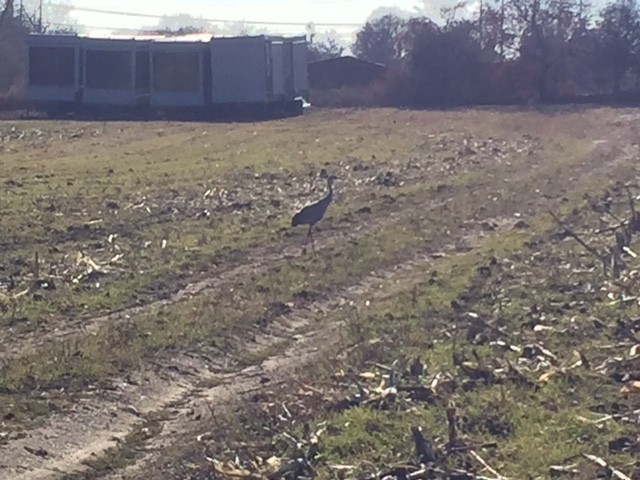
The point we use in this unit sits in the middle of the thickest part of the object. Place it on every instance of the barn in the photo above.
(54, 68)
(346, 71)
(204, 75)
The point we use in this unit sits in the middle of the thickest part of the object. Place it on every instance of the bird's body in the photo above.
(312, 214)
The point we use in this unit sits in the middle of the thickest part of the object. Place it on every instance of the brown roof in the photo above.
(344, 71)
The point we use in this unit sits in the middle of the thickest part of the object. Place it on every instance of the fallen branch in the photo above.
(624, 417)
(480, 460)
(612, 228)
(599, 461)
(577, 238)
(451, 421)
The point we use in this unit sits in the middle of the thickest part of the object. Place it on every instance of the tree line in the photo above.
(510, 51)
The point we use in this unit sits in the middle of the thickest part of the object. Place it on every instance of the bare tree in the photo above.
(619, 30)
(183, 22)
(377, 41)
(544, 28)
(325, 49)
(48, 15)
(7, 12)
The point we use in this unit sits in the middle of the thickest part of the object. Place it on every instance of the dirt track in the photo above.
(176, 387)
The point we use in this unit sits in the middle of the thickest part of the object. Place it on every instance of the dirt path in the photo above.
(100, 419)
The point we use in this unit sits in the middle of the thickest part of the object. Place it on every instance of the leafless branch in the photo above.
(451, 420)
(480, 460)
(599, 461)
(635, 221)
(577, 238)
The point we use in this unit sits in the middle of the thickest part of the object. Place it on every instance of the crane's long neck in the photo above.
(330, 194)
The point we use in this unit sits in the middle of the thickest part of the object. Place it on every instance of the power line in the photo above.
(214, 20)
(123, 30)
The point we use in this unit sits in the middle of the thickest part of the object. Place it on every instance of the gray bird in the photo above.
(312, 214)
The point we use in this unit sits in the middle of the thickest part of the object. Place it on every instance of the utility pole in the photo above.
(481, 27)
(311, 31)
(583, 13)
(502, 30)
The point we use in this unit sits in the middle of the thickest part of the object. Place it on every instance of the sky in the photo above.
(354, 12)
(303, 11)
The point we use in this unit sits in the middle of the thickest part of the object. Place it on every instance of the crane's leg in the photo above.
(306, 241)
(310, 235)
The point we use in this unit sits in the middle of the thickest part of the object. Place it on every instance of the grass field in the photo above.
(159, 318)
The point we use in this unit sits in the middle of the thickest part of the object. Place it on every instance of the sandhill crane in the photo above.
(312, 214)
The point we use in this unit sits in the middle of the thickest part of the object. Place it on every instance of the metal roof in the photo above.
(191, 37)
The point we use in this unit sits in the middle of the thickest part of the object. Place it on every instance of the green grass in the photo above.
(397, 238)
(213, 320)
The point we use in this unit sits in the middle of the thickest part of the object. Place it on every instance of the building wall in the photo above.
(278, 68)
(143, 71)
(179, 75)
(53, 68)
(239, 71)
(300, 70)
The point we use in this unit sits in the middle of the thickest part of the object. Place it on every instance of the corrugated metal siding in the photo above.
(300, 73)
(277, 57)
